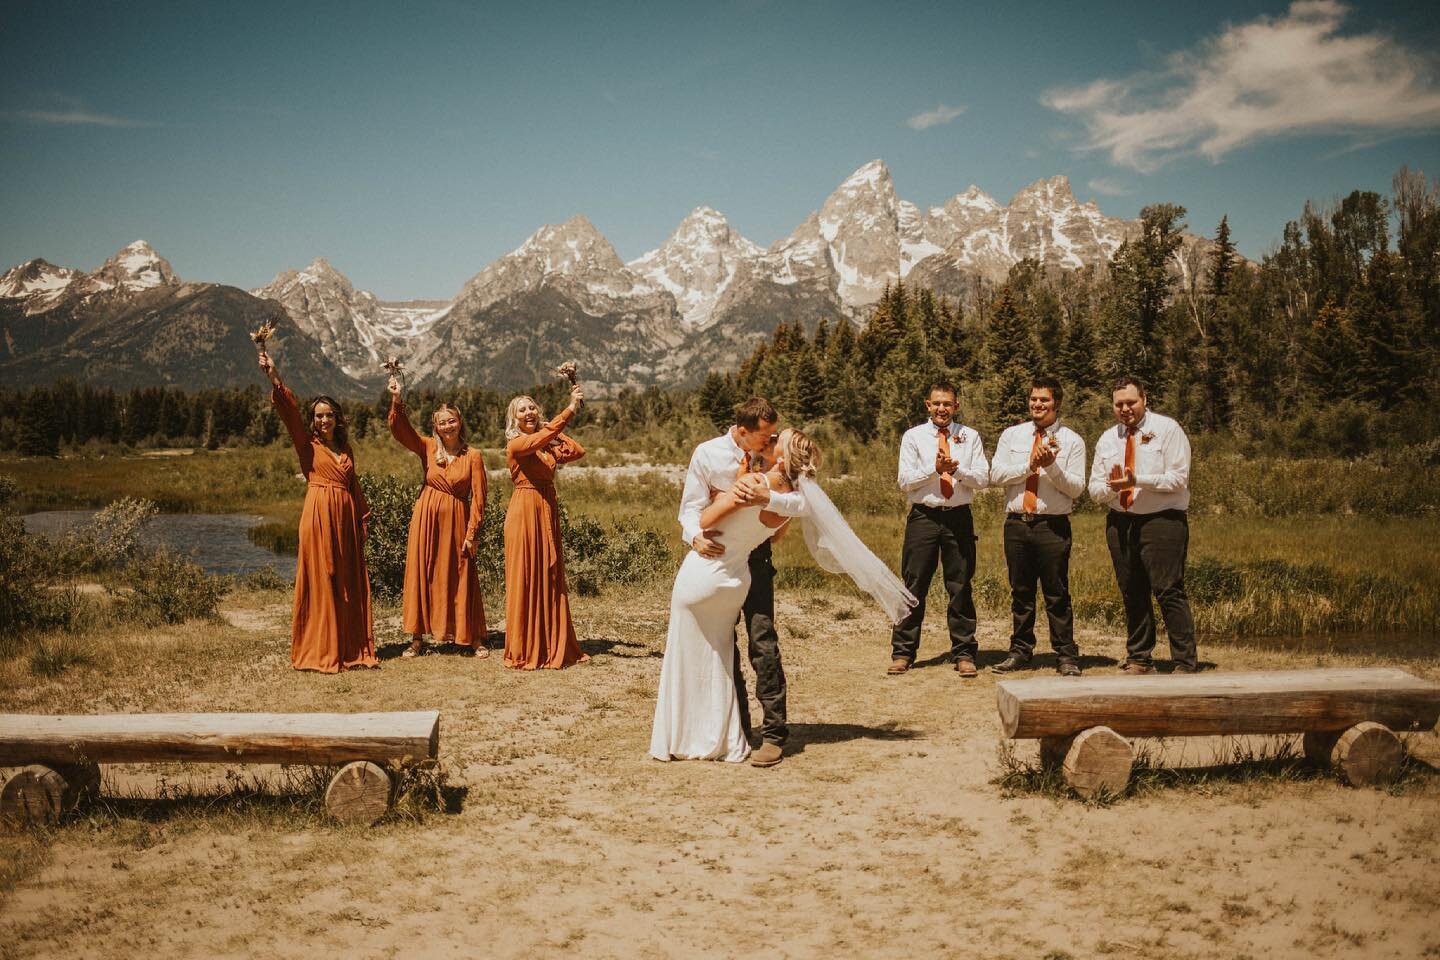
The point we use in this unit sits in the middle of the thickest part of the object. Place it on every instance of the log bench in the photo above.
(1348, 717)
(60, 754)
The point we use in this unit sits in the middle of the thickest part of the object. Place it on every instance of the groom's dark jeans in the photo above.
(759, 614)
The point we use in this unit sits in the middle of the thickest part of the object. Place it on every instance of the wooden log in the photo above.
(1053, 750)
(1098, 760)
(313, 738)
(34, 795)
(1368, 753)
(1280, 701)
(359, 793)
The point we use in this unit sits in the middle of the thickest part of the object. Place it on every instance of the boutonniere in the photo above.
(1146, 437)
(958, 438)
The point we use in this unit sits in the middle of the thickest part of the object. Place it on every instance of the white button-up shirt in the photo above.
(1060, 483)
(714, 466)
(1162, 466)
(917, 476)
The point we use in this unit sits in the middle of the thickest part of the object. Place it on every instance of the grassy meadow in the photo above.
(546, 831)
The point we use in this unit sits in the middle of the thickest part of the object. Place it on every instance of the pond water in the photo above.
(216, 541)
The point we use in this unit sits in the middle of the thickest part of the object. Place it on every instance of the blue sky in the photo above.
(411, 144)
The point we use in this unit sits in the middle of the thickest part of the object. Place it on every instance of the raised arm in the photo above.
(400, 426)
(528, 443)
(288, 410)
(567, 449)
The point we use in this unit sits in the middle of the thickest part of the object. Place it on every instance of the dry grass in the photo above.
(883, 831)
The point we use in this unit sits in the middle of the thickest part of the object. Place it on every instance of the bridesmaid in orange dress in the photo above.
(442, 589)
(538, 631)
(330, 626)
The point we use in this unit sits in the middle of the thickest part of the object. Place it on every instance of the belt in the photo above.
(1032, 517)
(960, 506)
(313, 482)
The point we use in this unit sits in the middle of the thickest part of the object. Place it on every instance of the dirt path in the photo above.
(882, 833)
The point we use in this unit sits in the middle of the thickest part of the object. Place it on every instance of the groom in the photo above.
(733, 461)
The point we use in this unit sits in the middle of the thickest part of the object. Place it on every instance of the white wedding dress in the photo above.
(697, 713)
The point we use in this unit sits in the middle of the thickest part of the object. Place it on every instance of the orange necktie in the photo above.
(1032, 482)
(1127, 497)
(745, 462)
(947, 486)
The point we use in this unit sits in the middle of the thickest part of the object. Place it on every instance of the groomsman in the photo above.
(1142, 472)
(729, 462)
(1041, 465)
(942, 464)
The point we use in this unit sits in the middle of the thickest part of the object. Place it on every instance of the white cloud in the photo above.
(1268, 77)
(933, 118)
(1109, 187)
(73, 118)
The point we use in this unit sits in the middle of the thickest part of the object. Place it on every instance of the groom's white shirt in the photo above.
(713, 467)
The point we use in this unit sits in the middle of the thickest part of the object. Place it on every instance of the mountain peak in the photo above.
(873, 172)
(1053, 190)
(37, 276)
(136, 266)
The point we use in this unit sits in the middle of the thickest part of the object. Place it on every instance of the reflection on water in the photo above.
(216, 541)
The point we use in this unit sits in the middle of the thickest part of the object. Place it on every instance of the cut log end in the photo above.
(1099, 760)
(1368, 753)
(359, 793)
(35, 795)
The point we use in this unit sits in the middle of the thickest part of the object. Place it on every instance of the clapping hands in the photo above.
(944, 464)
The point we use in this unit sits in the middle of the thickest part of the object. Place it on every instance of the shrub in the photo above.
(265, 579)
(167, 588)
(52, 656)
(25, 601)
(596, 556)
(391, 502)
(109, 540)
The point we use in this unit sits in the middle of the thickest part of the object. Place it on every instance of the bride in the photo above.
(697, 713)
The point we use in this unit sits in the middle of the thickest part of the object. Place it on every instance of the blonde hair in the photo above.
(512, 421)
(800, 453)
(443, 457)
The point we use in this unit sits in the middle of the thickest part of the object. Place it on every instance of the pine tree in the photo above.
(821, 341)
(901, 382)
(39, 428)
(716, 399)
(1222, 259)
(806, 397)
(884, 330)
(1075, 361)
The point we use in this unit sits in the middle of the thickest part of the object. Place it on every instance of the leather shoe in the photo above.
(1136, 668)
(768, 755)
(966, 668)
(1011, 664)
(1068, 668)
(898, 666)
(1186, 668)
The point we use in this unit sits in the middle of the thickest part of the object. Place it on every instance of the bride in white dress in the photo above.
(697, 712)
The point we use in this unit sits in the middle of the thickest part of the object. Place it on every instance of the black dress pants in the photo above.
(948, 536)
(1039, 549)
(759, 613)
(1148, 552)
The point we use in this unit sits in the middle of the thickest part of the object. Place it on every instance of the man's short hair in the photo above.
(750, 413)
(945, 385)
(1124, 382)
(1051, 384)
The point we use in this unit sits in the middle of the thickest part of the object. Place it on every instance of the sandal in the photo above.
(416, 649)
(482, 653)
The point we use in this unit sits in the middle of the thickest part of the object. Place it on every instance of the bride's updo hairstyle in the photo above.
(800, 453)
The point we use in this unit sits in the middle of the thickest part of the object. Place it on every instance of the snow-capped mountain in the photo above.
(38, 282)
(698, 263)
(563, 294)
(132, 322)
(353, 327)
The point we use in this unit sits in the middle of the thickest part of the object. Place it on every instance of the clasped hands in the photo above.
(1042, 457)
(1121, 481)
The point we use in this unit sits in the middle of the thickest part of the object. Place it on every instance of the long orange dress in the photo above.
(442, 589)
(330, 626)
(538, 630)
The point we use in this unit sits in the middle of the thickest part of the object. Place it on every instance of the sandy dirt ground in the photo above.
(884, 833)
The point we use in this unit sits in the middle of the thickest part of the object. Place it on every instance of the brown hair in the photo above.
(752, 411)
(1124, 382)
(1051, 384)
(342, 433)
